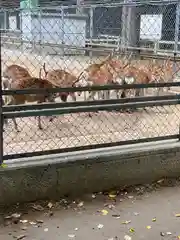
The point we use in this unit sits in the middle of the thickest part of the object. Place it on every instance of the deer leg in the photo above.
(158, 91)
(14, 122)
(101, 95)
(91, 96)
(73, 96)
(5, 122)
(118, 95)
(106, 95)
(123, 95)
(39, 123)
(15, 125)
(12, 101)
(85, 98)
(51, 100)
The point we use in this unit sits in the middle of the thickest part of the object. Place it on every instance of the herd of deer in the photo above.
(110, 71)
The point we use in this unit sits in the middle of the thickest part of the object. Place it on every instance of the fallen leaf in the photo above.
(178, 237)
(100, 226)
(3, 165)
(132, 230)
(46, 230)
(38, 207)
(111, 206)
(127, 237)
(32, 223)
(7, 217)
(20, 237)
(71, 235)
(126, 222)
(23, 221)
(39, 221)
(177, 215)
(116, 215)
(160, 181)
(81, 204)
(154, 220)
(130, 197)
(168, 233)
(104, 212)
(16, 215)
(112, 195)
(50, 205)
(148, 227)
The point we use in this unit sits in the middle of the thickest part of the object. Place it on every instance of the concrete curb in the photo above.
(55, 176)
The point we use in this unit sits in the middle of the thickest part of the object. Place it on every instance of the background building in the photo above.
(108, 21)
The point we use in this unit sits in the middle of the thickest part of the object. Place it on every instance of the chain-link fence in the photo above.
(84, 45)
(104, 128)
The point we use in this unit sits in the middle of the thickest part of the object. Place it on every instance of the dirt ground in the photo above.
(79, 129)
(140, 213)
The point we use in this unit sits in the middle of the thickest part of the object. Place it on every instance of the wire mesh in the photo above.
(82, 129)
(141, 41)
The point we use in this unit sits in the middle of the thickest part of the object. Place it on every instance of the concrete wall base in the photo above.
(73, 174)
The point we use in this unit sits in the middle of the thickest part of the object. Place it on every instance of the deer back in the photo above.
(16, 72)
(61, 78)
(32, 83)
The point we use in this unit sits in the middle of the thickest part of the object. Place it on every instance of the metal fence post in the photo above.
(40, 30)
(62, 18)
(91, 29)
(176, 34)
(1, 104)
(5, 20)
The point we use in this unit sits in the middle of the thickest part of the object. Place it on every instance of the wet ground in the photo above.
(144, 212)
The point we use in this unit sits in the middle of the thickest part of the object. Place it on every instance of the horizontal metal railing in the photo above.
(24, 107)
(90, 88)
(88, 108)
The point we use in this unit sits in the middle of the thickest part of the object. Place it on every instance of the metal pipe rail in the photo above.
(24, 107)
(90, 88)
(87, 108)
(87, 147)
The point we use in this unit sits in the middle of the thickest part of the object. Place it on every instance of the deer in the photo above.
(160, 73)
(61, 78)
(168, 71)
(139, 75)
(107, 72)
(17, 77)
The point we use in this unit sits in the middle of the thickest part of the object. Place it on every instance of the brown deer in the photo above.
(107, 72)
(17, 77)
(63, 79)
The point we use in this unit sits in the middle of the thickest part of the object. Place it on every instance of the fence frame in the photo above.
(47, 109)
(1, 109)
